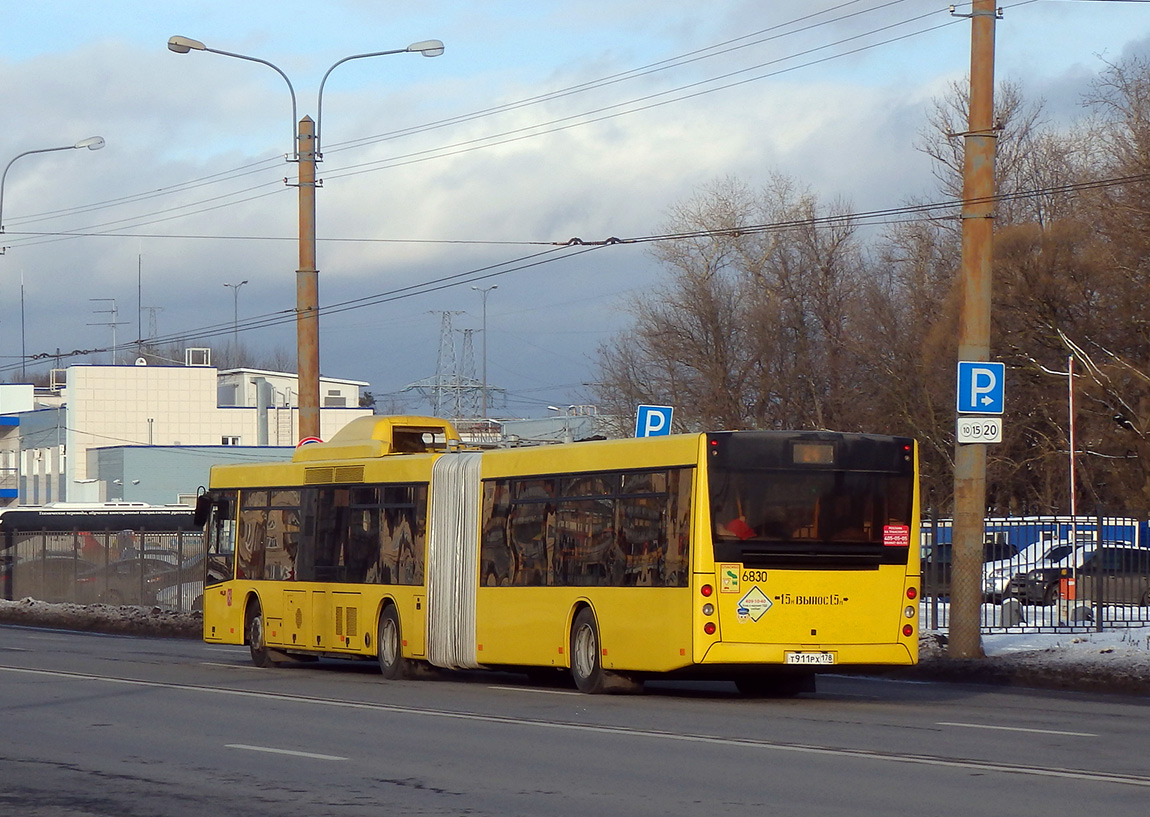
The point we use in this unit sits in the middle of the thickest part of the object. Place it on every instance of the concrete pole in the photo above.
(974, 333)
(307, 287)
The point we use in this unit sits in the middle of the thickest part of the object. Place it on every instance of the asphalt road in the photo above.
(114, 725)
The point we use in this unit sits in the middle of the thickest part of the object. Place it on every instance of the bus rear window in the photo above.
(823, 506)
(785, 502)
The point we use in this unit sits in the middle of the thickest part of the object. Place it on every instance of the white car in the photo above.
(996, 576)
(186, 597)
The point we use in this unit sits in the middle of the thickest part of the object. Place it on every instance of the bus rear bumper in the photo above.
(730, 653)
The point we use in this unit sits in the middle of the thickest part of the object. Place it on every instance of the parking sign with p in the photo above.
(653, 421)
(980, 387)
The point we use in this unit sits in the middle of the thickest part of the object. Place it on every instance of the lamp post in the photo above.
(236, 313)
(306, 151)
(91, 143)
(484, 291)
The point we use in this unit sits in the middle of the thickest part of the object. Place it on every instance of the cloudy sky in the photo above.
(543, 121)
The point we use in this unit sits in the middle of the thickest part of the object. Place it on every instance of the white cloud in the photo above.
(844, 127)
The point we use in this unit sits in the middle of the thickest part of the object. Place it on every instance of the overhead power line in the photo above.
(563, 250)
(647, 102)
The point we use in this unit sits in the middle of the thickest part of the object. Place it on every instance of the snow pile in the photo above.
(102, 618)
(1116, 660)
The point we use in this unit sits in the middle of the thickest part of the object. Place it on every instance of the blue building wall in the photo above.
(160, 474)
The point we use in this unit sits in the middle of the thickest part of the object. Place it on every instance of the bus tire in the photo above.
(586, 659)
(389, 646)
(254, 634)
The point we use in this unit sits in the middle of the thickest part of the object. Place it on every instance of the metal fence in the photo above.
(161, 569)
(1047, 573)
(1039, 573)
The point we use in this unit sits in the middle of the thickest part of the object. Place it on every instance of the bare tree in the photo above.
(1018, 125)
(751, 329)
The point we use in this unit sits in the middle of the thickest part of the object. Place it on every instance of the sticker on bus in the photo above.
(753, 605)
(897, 536)
(729, 578)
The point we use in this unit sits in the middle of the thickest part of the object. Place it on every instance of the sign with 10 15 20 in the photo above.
(979, 429)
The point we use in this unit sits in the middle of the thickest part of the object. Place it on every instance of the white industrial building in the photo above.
(150, 433)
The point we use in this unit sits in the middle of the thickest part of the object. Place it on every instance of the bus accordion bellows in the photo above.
(755, 556)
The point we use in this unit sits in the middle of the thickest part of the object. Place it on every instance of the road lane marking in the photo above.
(292, 752)
(538, 691)
(1019, 729)
(1142, 781)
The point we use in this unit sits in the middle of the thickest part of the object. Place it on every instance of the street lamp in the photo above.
(236, 313)
(91, 143)
(483, 291)
(306, 152)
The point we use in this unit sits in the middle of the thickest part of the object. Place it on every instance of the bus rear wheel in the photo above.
(389, 643)
(254, 630)
(586, 659)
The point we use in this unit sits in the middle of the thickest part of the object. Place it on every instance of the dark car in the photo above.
(51, 577)
(127, 581)
(1111, 573)
(936, 563)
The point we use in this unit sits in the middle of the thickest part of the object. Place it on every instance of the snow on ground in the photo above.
(1116, 660)
(1131, 644)
(102, 618)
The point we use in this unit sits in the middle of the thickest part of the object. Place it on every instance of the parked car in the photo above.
(48, 578)
(183, 588)
(936, 563)
(126, 581)
(1111, 573)
(998, 576)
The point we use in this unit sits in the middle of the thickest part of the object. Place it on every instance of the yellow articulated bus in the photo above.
(755, 556)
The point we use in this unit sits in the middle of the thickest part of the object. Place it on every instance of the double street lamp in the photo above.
(236, 315)
(306, 151)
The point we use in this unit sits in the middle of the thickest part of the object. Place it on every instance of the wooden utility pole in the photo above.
(974, 332)
(307, 288)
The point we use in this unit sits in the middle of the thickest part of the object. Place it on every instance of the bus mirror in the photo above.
(203, 508)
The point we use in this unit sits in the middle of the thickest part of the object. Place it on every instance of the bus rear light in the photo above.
(909, 612)
(706, 590)
(912, 593)
(709, 628)
(708, 609)
(907, 630)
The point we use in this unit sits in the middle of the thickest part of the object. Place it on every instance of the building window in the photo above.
(229, 440)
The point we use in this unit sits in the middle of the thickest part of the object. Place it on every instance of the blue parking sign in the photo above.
(980, 387)
(653, 421)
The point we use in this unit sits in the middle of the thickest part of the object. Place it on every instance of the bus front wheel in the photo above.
(586, 659)
(392, 664)
(254, 629)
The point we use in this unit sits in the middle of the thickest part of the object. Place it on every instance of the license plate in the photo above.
(809, 658)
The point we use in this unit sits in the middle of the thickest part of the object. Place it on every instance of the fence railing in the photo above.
(1047, 573)
(1052, 573)
(162, 569)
